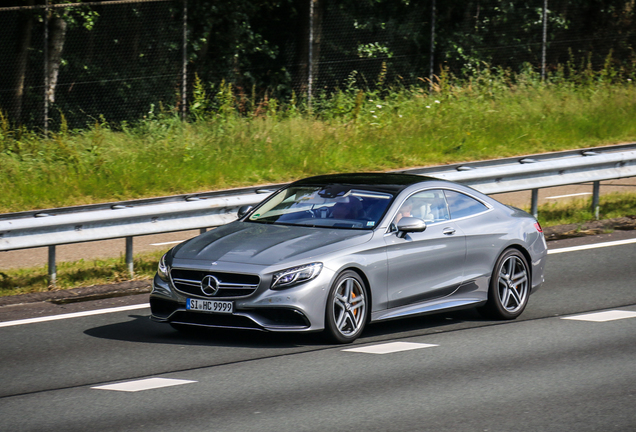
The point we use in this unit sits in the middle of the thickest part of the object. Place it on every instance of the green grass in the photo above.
(223, 146)
(612, 205)
(77, 274)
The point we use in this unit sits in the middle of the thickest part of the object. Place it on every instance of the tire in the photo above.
(347, 308)
(509, 287)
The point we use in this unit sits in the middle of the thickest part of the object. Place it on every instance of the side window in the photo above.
(429, 205)
(462, 205)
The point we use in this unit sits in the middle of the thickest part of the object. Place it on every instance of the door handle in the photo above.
(448, 231)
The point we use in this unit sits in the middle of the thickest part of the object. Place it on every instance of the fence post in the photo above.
(545, 38)
(184, 84)
(432, 56)
(129, 256)
(52, 266)
(45, 51)
(596, 190)
(310, 60)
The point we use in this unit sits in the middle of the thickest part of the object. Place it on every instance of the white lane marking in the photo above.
(144, 384)
(73, 315)
(569, 195)
(592, 246)
(391, 347)
(167, 243)
(612, 315)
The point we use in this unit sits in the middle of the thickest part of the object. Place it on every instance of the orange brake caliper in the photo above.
(355, 312)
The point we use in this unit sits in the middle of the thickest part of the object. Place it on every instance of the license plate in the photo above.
(211, 306)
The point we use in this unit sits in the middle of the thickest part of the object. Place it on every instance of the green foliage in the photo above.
(200, 103)
(77, 274)
(374, 50)
(232, 139)
(5, 127)
(613, 205)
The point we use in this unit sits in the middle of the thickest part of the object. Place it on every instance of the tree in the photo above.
(309, 35)
(22, 44)
(57, 36)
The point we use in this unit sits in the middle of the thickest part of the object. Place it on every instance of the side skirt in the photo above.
(427, 308)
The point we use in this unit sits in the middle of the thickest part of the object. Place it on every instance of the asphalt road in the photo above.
(460, 373)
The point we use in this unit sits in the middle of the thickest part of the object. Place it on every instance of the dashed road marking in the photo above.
(388, 348)
(167, 243)
(144, 384)
(592, 246)
(611, 315)
(73, 315)
(569, 195)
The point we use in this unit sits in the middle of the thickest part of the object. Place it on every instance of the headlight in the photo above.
(296, 275)
(162, 269)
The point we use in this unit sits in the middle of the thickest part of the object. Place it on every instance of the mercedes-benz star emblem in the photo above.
(209, 285)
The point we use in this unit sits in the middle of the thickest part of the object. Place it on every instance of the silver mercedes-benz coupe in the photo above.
(335, 252)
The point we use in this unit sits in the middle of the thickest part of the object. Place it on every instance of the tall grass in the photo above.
(234, 140)
(612, 205)
(77, 274)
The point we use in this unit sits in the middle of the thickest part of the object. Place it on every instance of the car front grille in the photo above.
(256, 319)
(230, 284)
(214, 320)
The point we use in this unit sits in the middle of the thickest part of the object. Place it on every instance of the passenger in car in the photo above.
(405, 211)
(347, 208)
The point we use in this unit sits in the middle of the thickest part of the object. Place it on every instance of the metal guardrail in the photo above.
(540, 171)
(204, 210)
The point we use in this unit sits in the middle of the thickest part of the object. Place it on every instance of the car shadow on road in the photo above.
(142, 330)
(424, 324)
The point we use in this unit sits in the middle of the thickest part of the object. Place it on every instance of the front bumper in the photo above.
(297, 309)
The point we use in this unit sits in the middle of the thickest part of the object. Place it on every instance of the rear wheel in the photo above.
(347, 309)
(509, 287)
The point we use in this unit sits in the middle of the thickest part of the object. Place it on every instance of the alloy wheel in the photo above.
(349, 306)
(513, 284)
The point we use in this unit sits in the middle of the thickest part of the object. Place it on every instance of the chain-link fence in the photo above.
(69, 65)
(89, 62)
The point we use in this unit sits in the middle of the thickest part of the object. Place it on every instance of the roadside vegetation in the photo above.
(235, 140)
(77, 274)
(612, 206)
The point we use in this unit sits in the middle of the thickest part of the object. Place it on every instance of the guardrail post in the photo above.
(534, 204)
(129, 256)
(52, 266)
(202, 230)
(596, 192)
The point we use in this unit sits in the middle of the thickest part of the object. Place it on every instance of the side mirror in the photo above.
(410, 224)
(243, 210)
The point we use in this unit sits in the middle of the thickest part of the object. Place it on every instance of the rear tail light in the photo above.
(537, 225)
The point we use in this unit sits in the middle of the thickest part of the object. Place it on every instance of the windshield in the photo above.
(333, 206)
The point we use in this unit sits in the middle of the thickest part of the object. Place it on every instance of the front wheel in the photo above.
(346, 313)
(509, 287)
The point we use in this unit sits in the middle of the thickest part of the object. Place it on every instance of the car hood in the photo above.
(261, 244)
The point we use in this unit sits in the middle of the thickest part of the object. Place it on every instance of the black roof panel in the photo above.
(388, 182)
